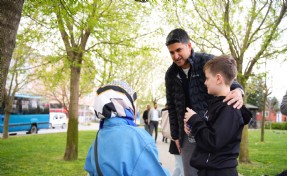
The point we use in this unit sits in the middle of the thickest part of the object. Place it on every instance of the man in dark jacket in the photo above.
(185, 87)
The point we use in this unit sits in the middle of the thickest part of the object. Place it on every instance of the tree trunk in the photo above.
(244, 152)
(263, 117)
(10, 15)
(71, 152)
(7, 110)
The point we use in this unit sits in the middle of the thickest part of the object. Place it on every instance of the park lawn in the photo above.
(268, 158)
(43, 154)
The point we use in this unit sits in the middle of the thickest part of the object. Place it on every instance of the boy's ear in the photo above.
(219, 79)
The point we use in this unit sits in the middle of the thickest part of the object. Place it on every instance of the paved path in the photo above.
(165, 157)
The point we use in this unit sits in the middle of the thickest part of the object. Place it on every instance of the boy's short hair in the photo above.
(225, 65)
(177, 36)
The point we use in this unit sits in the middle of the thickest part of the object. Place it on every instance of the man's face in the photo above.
(179, 53)
(148, 107)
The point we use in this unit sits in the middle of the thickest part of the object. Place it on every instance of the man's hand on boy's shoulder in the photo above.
(234, 97)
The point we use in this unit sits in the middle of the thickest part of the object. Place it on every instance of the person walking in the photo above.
(120, 148)
(145, 118)
(153, 118)
(184, 81)
(217, 133)
(164, 123)
(283, 106)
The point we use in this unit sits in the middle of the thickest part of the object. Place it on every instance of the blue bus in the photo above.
(29, 113)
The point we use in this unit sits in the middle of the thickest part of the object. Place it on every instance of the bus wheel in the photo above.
(33, 129)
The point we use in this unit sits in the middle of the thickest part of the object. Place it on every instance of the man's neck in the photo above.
(186, 65)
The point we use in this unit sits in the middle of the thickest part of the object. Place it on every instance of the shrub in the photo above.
(276, 126)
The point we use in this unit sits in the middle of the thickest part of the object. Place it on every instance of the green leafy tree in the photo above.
(274, 104)
(108, 28)
(254, 91)
(19, 76)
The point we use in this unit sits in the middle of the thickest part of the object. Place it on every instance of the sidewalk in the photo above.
(165, 157)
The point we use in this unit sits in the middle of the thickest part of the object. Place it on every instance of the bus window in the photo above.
(29, 113)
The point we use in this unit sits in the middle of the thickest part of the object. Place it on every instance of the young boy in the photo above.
(218, 134)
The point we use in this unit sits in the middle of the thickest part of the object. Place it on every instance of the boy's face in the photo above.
(179, 53)
(210, 82)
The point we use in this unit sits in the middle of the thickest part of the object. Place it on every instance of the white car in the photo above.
(58, 119)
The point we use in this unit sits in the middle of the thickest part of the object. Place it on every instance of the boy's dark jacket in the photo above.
(218, 135)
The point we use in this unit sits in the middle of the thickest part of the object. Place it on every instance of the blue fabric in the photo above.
(124, 150)
(129, 118)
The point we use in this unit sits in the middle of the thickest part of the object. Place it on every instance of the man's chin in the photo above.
(180, 64)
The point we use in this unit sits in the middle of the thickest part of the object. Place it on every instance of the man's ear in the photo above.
(189, 44)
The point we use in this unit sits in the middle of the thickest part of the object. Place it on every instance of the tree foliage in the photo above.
(19, 76)
(95, 37)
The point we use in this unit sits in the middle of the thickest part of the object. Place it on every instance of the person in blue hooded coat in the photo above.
(120, 148)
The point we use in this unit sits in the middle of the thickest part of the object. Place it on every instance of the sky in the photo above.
(277, 78)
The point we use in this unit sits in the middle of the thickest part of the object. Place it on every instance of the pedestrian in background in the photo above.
(145, 118)
(153, 118)
(164, 123)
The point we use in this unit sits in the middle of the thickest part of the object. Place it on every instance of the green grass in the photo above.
(268, 157)
(43, 154)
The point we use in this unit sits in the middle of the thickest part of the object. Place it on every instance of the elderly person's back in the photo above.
(120, 147)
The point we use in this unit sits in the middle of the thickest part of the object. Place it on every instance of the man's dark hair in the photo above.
(177, 36)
